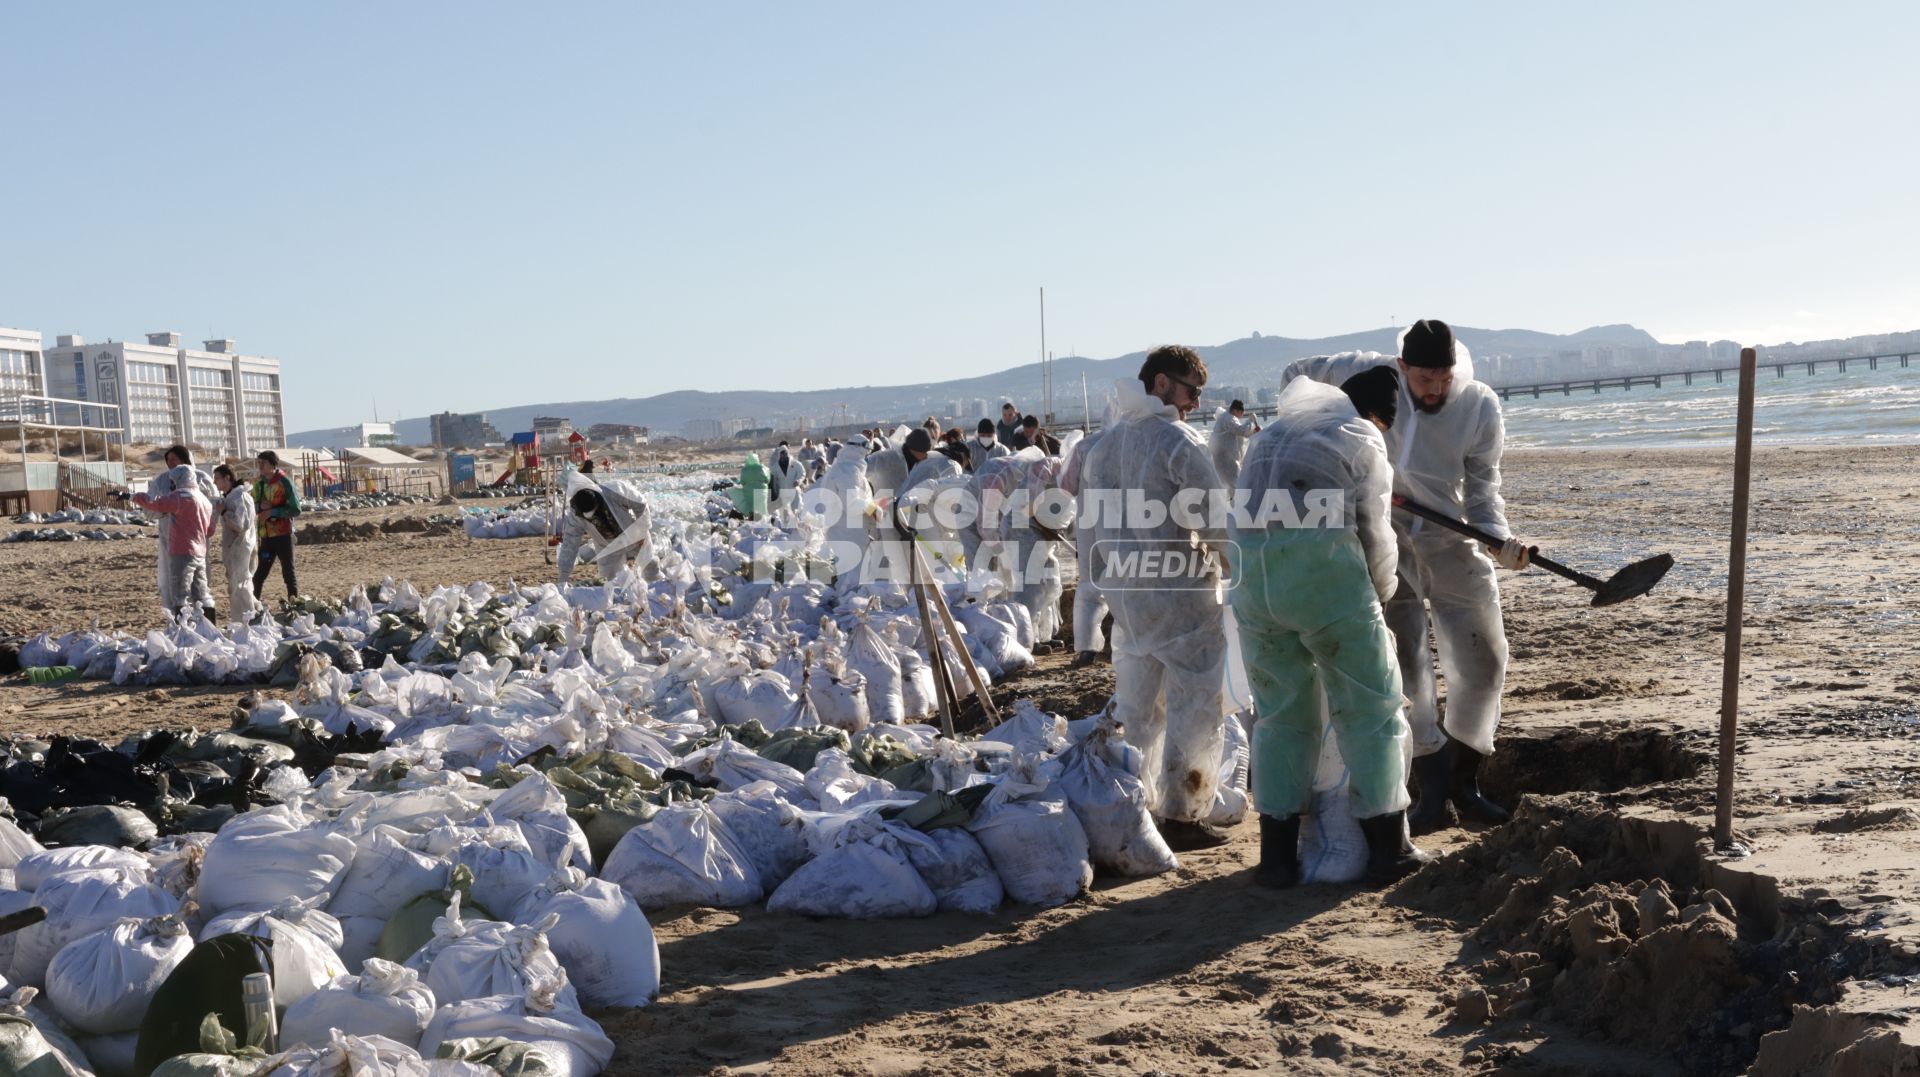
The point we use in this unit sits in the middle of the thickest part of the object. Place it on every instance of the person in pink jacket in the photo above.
(189, 522)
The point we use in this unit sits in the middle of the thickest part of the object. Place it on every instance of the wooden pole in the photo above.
(942, 687)
(1736, 601)
(939, 604)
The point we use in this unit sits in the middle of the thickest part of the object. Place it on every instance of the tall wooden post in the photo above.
(1736, 601)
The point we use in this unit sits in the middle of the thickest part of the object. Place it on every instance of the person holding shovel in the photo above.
(1445, 450)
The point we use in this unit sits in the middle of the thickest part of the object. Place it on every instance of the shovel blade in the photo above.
(1633, 581)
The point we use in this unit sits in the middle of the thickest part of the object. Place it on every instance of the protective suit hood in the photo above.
(1130, 400)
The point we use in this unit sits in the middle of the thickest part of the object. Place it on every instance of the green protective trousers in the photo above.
(1309, 620)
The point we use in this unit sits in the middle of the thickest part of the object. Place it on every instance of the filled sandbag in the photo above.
(532, 1018)
(347, 1055)
(79, 904)
(269, 855)
(411, 926)
(601, 937)
(958, 871)
(860, 871)
(1111, 804)
(1035, 841)
(101, 984)
(684, 854)
(384, 1000)
(476, 958)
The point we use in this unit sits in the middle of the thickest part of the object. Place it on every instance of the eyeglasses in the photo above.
(1191, 387)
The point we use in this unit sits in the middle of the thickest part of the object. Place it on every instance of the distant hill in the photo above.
(1254, 360)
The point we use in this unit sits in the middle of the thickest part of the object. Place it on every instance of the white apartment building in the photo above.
(21, 367)
(226, 403)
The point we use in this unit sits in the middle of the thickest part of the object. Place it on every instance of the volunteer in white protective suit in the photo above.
(1008, 542)
(238, 542)
(609, 518)
(789, 475)
(1317, 559)
(1169, 637)
(1445, 450)
(1228, 443)
(985, 445)
(1089, 606)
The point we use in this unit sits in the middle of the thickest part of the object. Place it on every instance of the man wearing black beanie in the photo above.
(1445, 448)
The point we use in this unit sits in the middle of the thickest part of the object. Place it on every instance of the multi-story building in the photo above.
(21, 368)
(361, 435)
(453, 430)
(552, 427)
(226, 403)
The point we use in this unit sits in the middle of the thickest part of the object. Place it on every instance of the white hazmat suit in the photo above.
(238, 543)
(1448, 460)
(1089, 607)
(616, 538)
(1228, 444)
(1169, 638)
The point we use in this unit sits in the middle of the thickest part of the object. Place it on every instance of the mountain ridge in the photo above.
(1250, 359)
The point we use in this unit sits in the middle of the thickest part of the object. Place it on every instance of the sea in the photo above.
(1858, 407)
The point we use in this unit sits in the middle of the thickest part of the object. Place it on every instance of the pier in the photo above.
(1719, 374)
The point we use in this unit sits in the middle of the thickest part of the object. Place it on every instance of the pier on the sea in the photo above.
(1569, 386)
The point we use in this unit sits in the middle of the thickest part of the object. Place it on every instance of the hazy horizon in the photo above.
(443, 207)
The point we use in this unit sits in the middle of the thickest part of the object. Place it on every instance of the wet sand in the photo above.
(1488, 961)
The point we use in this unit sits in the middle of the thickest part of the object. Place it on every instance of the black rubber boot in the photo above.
(1279, 852)
(1083, 660)
(1432, 782)
(1463, 788)
(1390, 856)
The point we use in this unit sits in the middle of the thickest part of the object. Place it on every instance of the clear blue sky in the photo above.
(477, 205)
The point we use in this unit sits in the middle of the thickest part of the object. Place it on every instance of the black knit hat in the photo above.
(1375, 393)
(1429, 343)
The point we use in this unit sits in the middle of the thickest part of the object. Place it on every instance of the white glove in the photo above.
(1512, 555)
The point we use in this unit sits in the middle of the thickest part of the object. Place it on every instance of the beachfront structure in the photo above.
(226, 403)
(453, 430)
(380, 434)
(21, 367)
(552, 427)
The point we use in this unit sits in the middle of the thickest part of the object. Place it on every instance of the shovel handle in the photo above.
(1472, 532)
(26, 917)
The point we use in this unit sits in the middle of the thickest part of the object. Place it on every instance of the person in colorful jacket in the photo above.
(277, 503)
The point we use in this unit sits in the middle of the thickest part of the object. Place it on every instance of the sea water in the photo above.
(1860, 406)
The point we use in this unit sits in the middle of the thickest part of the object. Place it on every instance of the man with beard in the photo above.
(1445, 452)
(1169, 632)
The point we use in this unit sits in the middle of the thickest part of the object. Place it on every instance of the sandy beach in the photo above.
(1541, 948)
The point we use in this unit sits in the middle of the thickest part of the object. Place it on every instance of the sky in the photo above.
(430, 206)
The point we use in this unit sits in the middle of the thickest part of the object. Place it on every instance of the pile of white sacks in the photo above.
(507, 523)
(439, 907)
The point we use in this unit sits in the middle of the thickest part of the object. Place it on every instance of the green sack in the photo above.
(53, 674)
(876, 753)
(798, 748)
(605, 824)
(207, 983)
(220, 1055)
(412, 926)
(936, 810)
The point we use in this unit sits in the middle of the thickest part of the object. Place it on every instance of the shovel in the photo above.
(1630, 582)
